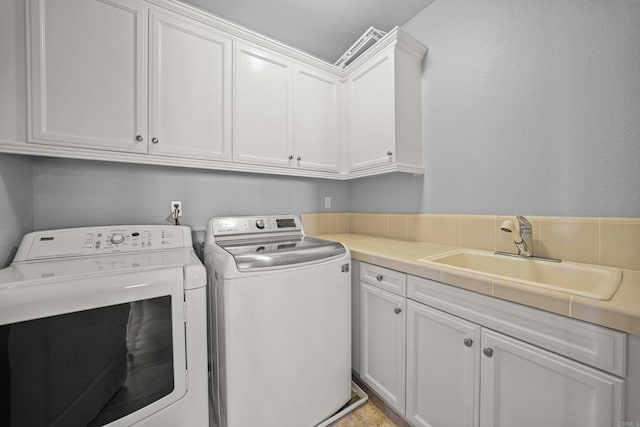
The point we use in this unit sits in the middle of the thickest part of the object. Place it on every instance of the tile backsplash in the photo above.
(608, 241)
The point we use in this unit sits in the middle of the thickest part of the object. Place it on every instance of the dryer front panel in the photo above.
(95, 351)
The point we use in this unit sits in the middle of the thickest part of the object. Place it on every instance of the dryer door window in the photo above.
(92, 367)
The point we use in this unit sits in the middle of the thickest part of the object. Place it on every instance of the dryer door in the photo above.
(103, 349)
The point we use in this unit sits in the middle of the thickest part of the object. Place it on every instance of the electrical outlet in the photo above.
(176, 204)
(327, 202)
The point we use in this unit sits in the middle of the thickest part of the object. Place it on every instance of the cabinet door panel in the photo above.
(190, 90)
(383, 343)
(372, 113)
(88, 73)
(263, 108)
(317, 119)
(443, 371)
(523, 385)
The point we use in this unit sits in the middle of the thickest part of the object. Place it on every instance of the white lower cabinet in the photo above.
(443, 368)
(382, 343)
(477, 361)
(460, 374)
(523, 385)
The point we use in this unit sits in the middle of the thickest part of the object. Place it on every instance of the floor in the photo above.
(374, 413)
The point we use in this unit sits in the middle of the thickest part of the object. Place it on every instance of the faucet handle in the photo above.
(523, 224)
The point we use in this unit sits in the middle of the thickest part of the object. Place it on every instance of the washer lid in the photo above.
(250, 254)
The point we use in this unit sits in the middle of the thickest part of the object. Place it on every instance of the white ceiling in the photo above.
(323, 28)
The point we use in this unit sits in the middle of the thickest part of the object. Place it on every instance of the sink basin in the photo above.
(593, 281)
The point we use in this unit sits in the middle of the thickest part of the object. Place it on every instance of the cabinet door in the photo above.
(382, 343)
(316, 114)
(88, 74)
(263, 126)
(523, 385)
(443, 368)
(372, 112)
(190, 90)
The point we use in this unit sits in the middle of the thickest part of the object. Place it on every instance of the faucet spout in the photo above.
(522, 235)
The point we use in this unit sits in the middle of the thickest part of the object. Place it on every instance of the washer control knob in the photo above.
(260, 223)
(116, 239)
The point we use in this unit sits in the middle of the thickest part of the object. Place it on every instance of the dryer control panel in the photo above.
(101, 240)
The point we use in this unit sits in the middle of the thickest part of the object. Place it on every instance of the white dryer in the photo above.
(104, 326)
(280, 323)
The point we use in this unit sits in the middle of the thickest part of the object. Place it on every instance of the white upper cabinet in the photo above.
(190, 89)
(286, 114)
(384, 113)
(263, 125)
(371, 113)
(88, 74)
(317, 120)
(162, 83)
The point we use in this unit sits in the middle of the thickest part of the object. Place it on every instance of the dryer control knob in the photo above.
(260, 224)
(116, 239)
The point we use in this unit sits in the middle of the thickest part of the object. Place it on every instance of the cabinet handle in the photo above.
(290, 156)
(397, 310)
(154, 140)
(139, 138)
(468, 342)
(379, 277)
(299, 158)
(487, 351)
(389, 153)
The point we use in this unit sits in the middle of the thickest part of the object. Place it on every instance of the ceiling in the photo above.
(323, 28)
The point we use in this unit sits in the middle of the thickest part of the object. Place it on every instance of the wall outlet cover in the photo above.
(176, 204)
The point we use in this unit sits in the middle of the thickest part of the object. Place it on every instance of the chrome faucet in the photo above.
(522, 235)
(523, 239)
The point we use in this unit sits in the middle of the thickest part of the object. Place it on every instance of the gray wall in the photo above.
(529, 106)
(74, 193)
(16, 203)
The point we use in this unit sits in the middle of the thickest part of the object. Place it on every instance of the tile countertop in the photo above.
(621, 312)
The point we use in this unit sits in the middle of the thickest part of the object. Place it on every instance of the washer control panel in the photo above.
(102, 240)
(253, 224)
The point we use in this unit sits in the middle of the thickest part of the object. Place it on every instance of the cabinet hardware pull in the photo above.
(487, 351)
(154, 140)
(379, 277)
(389, 153)
(397, 310)
(290, 156)
(468, 342)
(139, 138)
(299, 158)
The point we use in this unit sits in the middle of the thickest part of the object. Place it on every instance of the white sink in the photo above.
(593, 281)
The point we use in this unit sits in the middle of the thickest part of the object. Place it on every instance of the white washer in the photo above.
(104, 326)
(280, 323)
